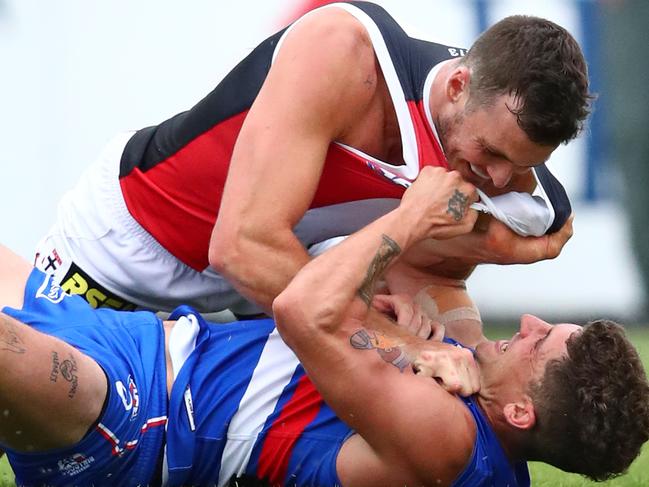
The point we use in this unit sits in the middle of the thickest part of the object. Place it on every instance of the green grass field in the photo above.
(638, 475)
(542, 475)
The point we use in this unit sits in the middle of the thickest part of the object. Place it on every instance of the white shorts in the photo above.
(98, 250)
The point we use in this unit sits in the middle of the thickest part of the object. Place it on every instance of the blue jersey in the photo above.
(258, 415)
(124, 446)
(241, 405)
(488, 465)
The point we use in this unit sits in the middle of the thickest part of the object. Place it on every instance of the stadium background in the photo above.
(76, 72)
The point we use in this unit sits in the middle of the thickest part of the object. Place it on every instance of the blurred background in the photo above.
(76, 72)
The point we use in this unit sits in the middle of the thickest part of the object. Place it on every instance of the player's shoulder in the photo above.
(335, 30)
(441, 444)
(453, 447)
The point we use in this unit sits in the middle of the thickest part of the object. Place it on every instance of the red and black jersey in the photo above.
(172, 175)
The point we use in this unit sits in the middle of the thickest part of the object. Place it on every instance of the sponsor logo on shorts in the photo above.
(50, 290)
(76, 281)
(129, 395)
(75, 464)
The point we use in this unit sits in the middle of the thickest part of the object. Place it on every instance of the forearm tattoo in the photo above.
(457, 205)
(388, 348)
(388, 250)
(9, 339)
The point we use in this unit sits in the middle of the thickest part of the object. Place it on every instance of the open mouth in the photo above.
(479, 172)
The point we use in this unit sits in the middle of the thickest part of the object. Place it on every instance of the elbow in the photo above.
(282, 307)
(225, 253)
(217, 259)
(289, 315)
(296, 313)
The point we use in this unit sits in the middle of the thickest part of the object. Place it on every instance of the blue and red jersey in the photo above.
(240, 406)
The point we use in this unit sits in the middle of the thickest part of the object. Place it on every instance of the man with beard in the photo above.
(100, 397)
(313, 135)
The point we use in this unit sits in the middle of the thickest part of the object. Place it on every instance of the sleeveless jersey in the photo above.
(488, 465)
(242, 406)
(172, 175)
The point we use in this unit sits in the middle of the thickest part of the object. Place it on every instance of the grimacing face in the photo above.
(486, 145)
(511, 365)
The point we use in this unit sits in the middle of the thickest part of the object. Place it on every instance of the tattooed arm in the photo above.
(412, 431)
(341, 282)
(38, 369)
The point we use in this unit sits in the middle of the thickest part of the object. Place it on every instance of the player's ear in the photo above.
(457, 84)
(520, 414)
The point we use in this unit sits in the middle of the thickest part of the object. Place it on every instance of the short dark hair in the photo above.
(592, 406)
(542, 65)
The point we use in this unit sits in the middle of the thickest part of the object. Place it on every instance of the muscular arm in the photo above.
(39, 370)
(323, 79)
(403, 419)
(491, 242)
(44, 378)
(445, 300)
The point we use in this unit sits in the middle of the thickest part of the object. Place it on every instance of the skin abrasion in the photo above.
(386, 253)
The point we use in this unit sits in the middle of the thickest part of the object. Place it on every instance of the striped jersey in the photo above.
(242, 407)
(172, 175)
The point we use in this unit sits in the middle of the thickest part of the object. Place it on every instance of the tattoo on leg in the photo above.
(9, 339)
(388, 250)
(457, 205)
(68, 370)
(56, 367)
(388, 348)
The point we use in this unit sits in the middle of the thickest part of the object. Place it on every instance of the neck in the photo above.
(510, 441)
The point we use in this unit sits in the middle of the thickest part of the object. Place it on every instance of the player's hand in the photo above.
(490, 243)
(438, 204)
(453, 367)
(409, 315)
(503, 246)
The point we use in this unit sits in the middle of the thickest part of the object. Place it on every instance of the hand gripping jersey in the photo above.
(240, 406)
(172, 175)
